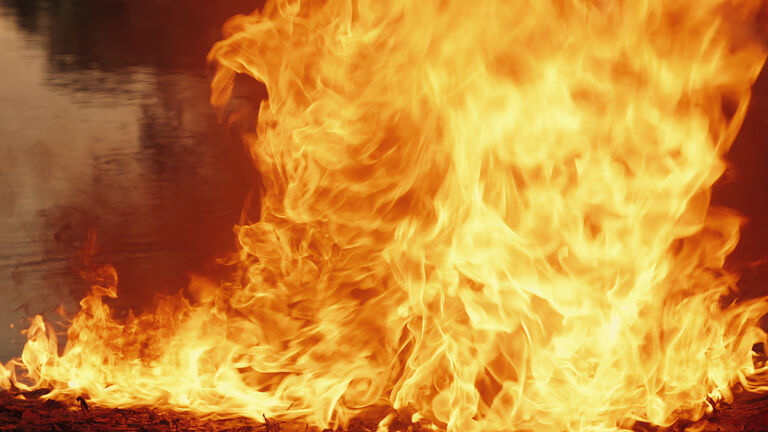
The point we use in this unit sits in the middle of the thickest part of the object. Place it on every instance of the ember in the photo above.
(24, 411)
(27, 413)
(476, 216)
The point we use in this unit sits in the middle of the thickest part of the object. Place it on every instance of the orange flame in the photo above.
(494, 215)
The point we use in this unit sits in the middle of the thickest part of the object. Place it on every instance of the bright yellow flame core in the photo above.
(494, 214)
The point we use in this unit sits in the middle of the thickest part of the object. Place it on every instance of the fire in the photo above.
(493, 215)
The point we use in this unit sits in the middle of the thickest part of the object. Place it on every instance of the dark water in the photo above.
(105, 126)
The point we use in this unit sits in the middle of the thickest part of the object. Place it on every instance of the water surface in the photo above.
(106, 128)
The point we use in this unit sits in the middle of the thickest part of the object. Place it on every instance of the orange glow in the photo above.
(493, 215)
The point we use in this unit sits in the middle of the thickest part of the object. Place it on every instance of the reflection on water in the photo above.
(106, 126)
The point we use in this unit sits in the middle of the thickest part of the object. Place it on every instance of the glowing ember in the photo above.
(492, 214)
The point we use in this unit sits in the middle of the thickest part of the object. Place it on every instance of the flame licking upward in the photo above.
(494, 214)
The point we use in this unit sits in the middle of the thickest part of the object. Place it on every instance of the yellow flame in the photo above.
(494, 215)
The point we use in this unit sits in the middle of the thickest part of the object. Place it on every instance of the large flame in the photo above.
(494, 215)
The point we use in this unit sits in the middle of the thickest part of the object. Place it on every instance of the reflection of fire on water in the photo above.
(492, 215)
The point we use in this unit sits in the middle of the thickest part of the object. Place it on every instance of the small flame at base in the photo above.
(494, 215)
